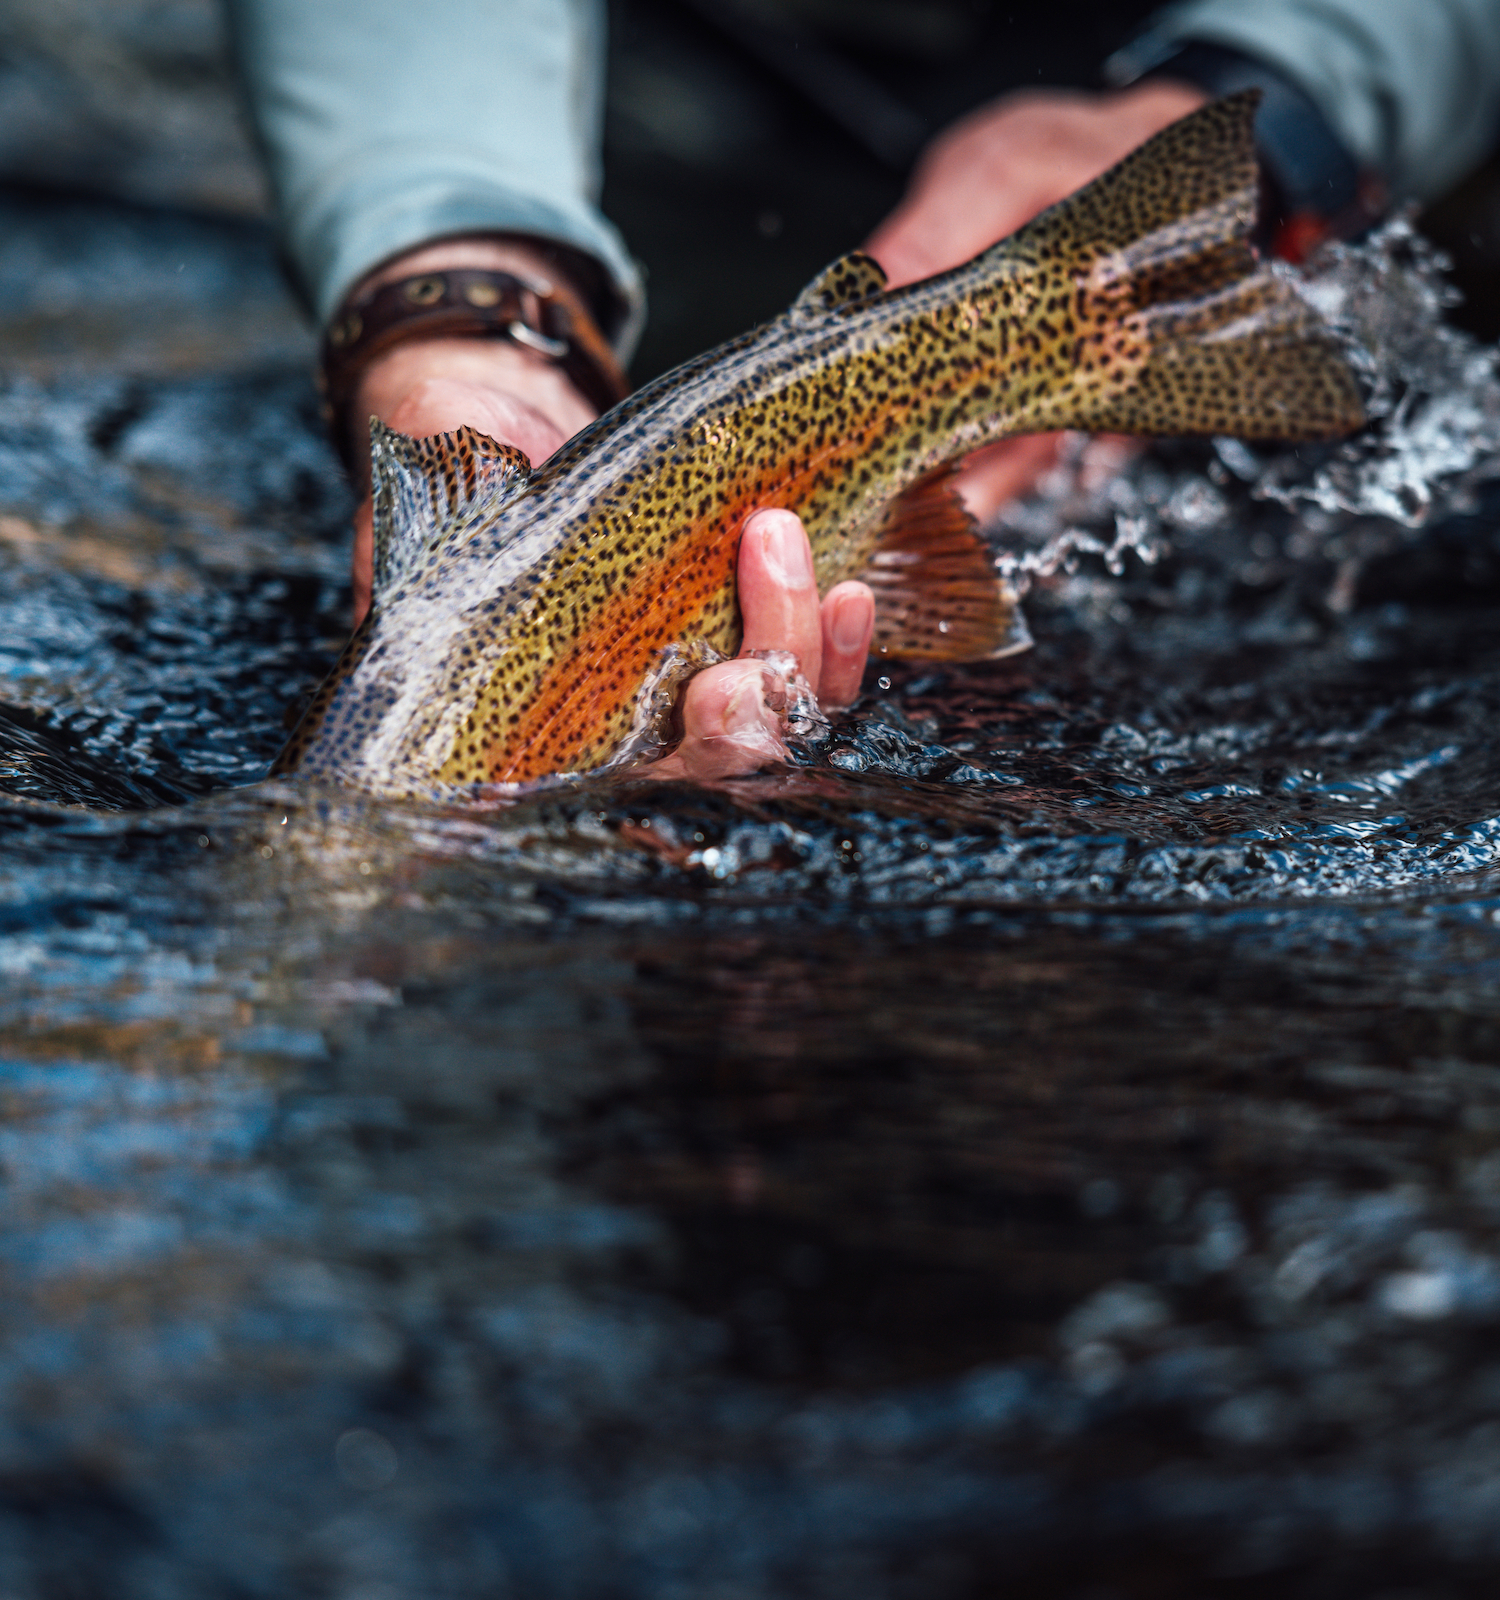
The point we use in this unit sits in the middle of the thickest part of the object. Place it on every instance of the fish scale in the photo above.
(519, 617)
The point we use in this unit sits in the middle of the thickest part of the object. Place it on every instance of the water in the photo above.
(1046, 1142)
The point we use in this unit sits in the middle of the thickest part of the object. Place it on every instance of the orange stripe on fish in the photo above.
(598, 681)
(519, 617)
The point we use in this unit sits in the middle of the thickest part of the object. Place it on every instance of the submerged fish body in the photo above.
(518, 615)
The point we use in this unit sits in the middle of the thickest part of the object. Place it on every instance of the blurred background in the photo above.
(748, 142)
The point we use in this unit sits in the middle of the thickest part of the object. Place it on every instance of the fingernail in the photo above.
(849, 624)
(745, 708)
(786, 551)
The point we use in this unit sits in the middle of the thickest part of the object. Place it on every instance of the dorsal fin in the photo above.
(937, 594)
(844, 282)
(424, 487)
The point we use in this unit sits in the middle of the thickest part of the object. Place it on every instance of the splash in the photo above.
(1063, 550)
(1433, 391)
(1433, 400)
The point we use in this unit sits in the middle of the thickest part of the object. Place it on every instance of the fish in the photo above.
(530, 623)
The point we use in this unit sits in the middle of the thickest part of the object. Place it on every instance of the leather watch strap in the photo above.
(463, 302)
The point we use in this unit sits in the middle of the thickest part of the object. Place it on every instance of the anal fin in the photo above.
(937, 594)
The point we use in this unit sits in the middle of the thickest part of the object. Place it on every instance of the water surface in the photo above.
(1046, 1142)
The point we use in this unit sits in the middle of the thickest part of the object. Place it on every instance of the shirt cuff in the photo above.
(359, 225)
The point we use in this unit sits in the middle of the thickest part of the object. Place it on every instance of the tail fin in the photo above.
(1178, 328)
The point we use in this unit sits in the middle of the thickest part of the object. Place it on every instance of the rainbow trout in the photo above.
(521, 619)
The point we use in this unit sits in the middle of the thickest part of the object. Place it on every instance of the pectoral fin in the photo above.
(937, 594)
(427, 488)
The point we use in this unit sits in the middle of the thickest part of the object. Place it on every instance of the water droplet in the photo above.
(882, 683)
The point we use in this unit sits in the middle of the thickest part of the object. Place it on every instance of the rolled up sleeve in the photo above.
(387, 124)
(1410, 86)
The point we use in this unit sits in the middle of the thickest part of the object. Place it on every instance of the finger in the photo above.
(848, 626)
(1005, 471)
(777, 590)
(362, 568)
(729, 728)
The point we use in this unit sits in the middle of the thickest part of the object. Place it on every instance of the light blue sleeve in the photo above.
(386, 124)
(1412, 87)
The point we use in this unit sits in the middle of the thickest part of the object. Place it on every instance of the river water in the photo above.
(1046, 1142)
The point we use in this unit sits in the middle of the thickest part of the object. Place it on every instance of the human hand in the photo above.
(730, 717)
(986, 176)
(732, 713)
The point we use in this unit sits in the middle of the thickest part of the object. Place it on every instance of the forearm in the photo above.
(1409, 86)
(386, 126)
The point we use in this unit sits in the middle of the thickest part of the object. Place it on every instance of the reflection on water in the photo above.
(1048, 1142)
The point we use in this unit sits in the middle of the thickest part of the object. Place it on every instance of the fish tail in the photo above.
(1155, 316)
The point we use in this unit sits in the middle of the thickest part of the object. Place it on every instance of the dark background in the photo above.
(735, 169)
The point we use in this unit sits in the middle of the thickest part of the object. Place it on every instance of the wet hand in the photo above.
(733, 714)
(982, 179)
(436, 385)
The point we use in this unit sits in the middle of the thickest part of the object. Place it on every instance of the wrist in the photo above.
(1155, 102)
(395, 385)
(497, 315)
(500, 364)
